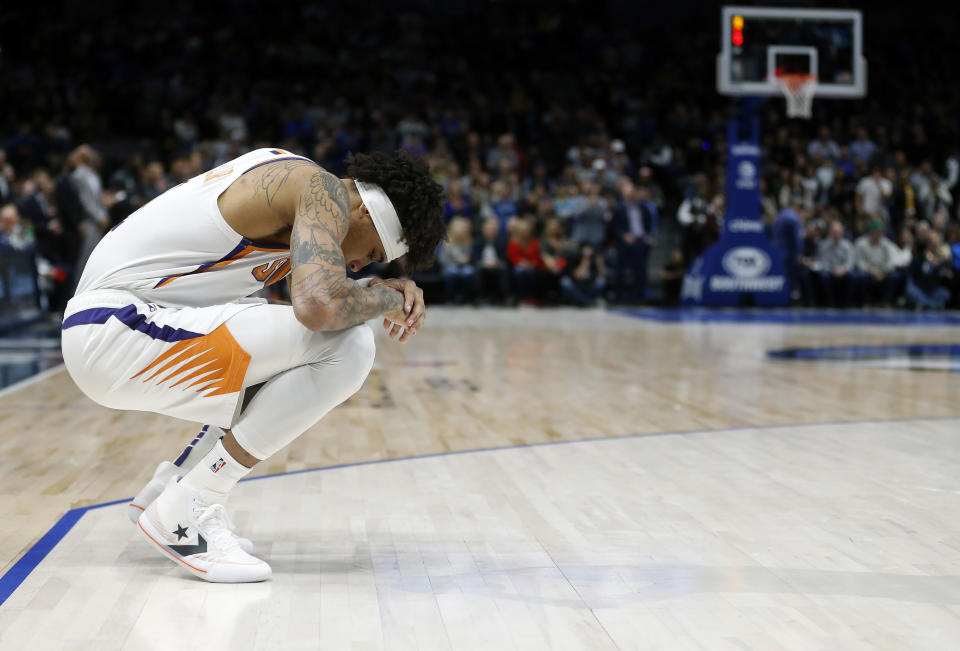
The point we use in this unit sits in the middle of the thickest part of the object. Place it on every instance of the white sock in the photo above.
(202, 443)
(215, 474)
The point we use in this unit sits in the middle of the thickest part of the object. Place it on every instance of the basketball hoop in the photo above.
(798, 89)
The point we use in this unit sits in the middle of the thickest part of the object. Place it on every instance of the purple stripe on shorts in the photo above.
(132, 319)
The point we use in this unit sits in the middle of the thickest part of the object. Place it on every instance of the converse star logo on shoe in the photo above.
(181, 532)
(190, 550)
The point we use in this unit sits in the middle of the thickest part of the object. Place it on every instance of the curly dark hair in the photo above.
(415, 195)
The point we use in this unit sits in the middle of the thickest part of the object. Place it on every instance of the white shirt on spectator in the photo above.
(874, 256)
(872, 192)
(809, 185)
(901, 257)
(692, 211)
(489, 258)
(826, 173)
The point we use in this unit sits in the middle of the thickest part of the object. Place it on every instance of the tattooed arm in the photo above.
(322, 295)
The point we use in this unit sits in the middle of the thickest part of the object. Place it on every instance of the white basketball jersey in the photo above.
(178, 250)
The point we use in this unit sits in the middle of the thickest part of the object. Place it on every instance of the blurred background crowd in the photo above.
(582, 152)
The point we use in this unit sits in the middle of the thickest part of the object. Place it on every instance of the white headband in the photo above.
(384, 217)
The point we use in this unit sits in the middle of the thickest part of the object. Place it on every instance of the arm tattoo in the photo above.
(318, 280)
(273, 177)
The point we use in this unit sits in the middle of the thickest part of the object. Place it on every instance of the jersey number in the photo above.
(272, 272)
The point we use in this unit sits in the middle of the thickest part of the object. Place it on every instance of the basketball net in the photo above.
(798, 89)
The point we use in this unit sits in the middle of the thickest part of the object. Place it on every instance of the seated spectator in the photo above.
(938, 223)
(502, 204)
(38, 207)
(863, 149)
(835, 259)
(13, 234)
(154, 181)
(530, 202)
(842, 194)
(928, 271)
(459, 274)
(874, 265)
(480, 193)
(489, 257)
(505, 171)
(506, 148)
(823, 146)
(568, 201)
(586, 279)
(540, 176)
(619, 160)
(903, 250)
(555, 249)
(456, 204)
(845, 162)
(941, 249)
(589, 223)
(546, 209)
(523, 251)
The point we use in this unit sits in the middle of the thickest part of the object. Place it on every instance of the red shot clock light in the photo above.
(737, 36)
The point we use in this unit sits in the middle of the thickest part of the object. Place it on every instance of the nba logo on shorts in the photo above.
(218, 464)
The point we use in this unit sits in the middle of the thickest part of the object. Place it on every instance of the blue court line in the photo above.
(854, 354)
(843, 353)
(791, 316)
(17, 574)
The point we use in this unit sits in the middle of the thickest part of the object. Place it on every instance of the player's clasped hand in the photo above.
(407, 322)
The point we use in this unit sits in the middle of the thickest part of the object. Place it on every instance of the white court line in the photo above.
(33, 379)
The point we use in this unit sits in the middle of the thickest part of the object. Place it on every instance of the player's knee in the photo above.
(357, 350)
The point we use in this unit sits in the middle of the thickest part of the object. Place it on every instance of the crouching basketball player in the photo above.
(161, 323)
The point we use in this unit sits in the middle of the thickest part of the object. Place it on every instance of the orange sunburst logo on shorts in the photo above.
(217, 362)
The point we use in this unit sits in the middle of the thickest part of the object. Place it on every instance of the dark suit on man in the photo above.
(637, 220)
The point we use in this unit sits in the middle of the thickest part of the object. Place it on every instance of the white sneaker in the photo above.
(199, 537)
(152, 490)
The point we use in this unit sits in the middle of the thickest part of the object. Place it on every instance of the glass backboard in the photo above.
(759, 42)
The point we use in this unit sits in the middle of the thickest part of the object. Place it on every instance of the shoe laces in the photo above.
(215, 524)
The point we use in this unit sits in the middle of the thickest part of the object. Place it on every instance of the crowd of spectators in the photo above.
(871, 221)
(566, 144)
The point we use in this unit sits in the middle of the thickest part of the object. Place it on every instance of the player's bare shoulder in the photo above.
(262, 203)
(322, 201)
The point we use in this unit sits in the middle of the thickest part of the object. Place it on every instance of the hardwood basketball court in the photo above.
(618, 483)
